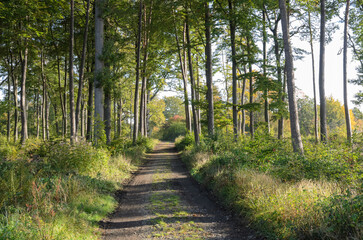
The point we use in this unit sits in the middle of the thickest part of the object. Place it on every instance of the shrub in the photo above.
(182, 142)
(79, 158)
(173, 130)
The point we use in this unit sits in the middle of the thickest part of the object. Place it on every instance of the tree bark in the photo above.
(44, 99)
(208, 67)
(267, 119)
(81, 70)
(323, 125)
(89, 110)
(23, 103)
(136, 99)
(232, 26)
(294, 118)
(316, 131)
(252, 128)
(345, 79)
(99, 65)
(15, 96)
(107, 111)
(192, 81)
(73, 136)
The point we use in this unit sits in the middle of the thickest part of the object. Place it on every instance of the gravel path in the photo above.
(163, 202)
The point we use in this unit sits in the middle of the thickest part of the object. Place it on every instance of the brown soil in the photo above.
(163, 202)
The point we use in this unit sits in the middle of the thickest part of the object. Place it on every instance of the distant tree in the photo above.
(173, 106)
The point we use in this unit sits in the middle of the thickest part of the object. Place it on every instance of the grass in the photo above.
(59, 191)
(285, 196)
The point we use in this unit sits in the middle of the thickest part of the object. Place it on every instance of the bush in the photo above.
(79, 158)
(182, 143)
(173, 130)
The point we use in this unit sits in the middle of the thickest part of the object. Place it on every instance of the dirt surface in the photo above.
(163, 202)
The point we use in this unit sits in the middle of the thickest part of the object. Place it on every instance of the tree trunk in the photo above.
(119, 118)
(323, 125)
(252, 130)
(192, 85)
(144, 78)
(44, 99)
(294, 118)
(107, 111)
(136, 99)
(15, 96)
(243, 120)
(316, 132)
(38, 112)
(98, 88)
(65, 97)
(8, 125)
(267, 119)
(232, 27)
(208, 67)
(23, 103)
(197, 96)
(81, 70)
(72, 118)
(89, 110)
(345, 79)
(182, 60)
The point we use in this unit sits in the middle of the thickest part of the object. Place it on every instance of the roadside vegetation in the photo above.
(284, 195)
(55, 190)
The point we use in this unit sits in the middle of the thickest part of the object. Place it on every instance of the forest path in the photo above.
(163, 202)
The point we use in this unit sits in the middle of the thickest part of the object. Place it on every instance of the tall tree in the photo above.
(208, 68)
(99, 65)
(232, 26)
(81, 68)
(345, 79)
(71, 80)
(294, 118)
(192, 80)
(136, 97)
(323, 126)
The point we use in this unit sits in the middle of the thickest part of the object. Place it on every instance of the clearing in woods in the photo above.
(163, 202)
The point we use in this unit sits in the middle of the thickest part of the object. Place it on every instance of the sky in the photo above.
(333, 69)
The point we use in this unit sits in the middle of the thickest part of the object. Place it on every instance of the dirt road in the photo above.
(163, 202)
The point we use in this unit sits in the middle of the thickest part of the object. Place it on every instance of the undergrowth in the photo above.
(285, 196)
(55, 190)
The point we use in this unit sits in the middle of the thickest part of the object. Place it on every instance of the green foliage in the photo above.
(79, 158)
(55, 190)
(173, 129)
(284, 195)
(182, 143)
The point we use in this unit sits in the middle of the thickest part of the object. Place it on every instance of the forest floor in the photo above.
(162, 201)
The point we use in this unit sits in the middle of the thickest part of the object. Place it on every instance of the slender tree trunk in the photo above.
(107, 111)
(65, 97)
(208, 67)
(267, 119)
(136, 99)
(8, 125)
(243, 121)
(294, 118)
(38, 113)
(47, 108)
(99, 65)
(323, 125)
(232, 26)
(197, 96)
(60, 94)
(15, 96)
(89, 110)
(81, 70)
(56, 121)
(182, 60)
(192, 81)
(345, 79)
(252, 130)
(316, 132)
(44, 99)
(73, 136)
(144, 78)
(119, 118)
(23, 103)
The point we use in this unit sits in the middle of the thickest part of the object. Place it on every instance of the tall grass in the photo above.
(54, 190)
(285, 196)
